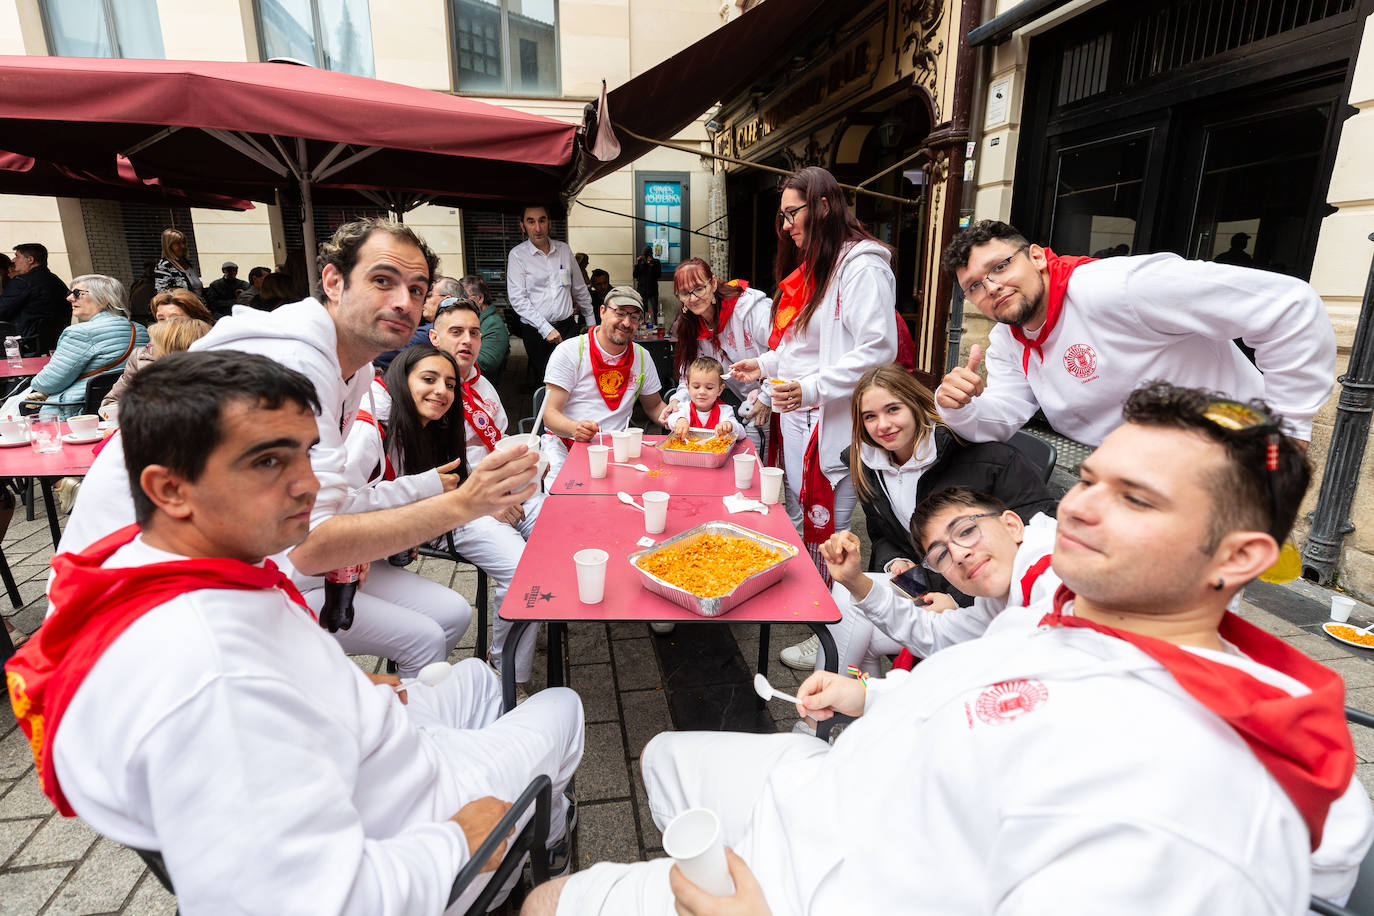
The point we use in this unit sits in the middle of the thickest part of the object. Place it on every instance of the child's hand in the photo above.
(680, 428)
(938, 602)
(724, 429)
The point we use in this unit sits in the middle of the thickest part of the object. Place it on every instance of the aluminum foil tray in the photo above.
(714, 607)
(697, 459)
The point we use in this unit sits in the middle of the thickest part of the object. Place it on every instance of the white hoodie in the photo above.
(858, 325)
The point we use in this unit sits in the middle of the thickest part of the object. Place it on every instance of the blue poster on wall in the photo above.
(662, 230)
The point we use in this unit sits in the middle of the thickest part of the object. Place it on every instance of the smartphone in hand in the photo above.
(912, 583)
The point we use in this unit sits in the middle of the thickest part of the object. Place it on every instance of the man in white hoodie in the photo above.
(1075, 335)
(375, 276)
(1140, 751)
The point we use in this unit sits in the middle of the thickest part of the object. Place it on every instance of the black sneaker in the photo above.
(560, 853)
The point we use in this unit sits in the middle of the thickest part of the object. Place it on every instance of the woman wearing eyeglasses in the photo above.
(99, 342)
(833, 317)
(901, 454)
(728, 322)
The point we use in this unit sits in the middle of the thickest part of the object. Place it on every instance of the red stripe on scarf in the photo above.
(1302, 741)
(1060, 269)
(92, 607)
(475, 412)
(1034, 572)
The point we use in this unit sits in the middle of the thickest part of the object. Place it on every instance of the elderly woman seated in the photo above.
(100, 341)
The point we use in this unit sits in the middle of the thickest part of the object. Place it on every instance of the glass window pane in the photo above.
(288, 29)
(479, 22)
(663, 205)
(1097, 197)
(534, 41)
(138, 28)
(347, 32)
(78, 28)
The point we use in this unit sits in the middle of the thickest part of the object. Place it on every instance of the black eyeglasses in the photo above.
(78, 293)
(978, 287)
(629, 314)
(788, 216)
(453, 303)
(700, 292)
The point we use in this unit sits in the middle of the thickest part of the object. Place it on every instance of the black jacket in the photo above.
(992, 467)
(36, 303)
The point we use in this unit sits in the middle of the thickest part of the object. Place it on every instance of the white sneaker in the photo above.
(662, 629)
(802, 656)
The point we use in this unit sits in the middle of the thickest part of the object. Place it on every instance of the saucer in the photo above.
(5, 443)
(78, 439)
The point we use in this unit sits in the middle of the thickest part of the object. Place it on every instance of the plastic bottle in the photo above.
(339, 587)
(12, 354)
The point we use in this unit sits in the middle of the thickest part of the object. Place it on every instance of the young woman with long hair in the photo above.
(833, 317)
(175, 268)
(726, 321)
(900, 454)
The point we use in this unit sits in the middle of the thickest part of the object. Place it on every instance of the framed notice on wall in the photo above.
(663, 208)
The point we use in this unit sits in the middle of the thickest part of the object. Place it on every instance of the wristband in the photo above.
(862, 676)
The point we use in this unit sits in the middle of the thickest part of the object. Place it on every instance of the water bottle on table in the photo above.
(12, 354)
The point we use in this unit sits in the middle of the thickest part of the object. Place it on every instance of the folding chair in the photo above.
(1361, 901)
(526, 425)
(531, 841)
(1039, 452)
(450, 552)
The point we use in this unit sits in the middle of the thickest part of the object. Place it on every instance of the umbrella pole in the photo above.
(308, 224)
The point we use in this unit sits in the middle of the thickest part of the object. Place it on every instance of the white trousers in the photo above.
(795, 428)
(496, 548)
(401, 616)
(681, 771)
(857, 641)
(498, 755)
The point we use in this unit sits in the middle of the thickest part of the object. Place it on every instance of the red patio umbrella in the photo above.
(21, 174)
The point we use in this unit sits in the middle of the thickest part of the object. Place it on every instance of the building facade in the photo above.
(546, 57)
(1216, 129)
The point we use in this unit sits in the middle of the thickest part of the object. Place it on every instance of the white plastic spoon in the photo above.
(628, 500)
(768, 692)
(637, 467)
(430, 675)
(725, 376)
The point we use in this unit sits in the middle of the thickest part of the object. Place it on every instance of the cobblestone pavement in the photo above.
(53, 865)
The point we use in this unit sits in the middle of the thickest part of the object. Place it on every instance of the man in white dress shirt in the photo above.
(543, 282)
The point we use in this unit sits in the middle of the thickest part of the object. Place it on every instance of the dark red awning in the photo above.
(25, 175)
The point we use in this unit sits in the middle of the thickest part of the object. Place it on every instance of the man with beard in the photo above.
(375, 277)
(1075, 335)
(592, 381)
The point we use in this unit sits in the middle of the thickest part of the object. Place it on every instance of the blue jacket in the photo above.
(101, 342)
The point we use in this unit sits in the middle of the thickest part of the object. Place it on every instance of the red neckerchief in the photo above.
(611, 381)
(1302, 741)
(477, 415)
(723, 313)
(1059, 271)
(92, 606)
(793, 294)
(818, 504)
(388, 472)
(906, 661)
(712, 419)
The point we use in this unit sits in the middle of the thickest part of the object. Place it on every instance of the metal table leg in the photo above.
(517, 629)
(555, 651)
(764, 632)
(51, 503)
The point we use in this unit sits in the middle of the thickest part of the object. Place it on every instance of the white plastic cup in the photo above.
(532, 441)
(597, 456)
(655, 511)
(636, 442)
(770, 485)
(620, 441)
(1341, 607)
(694, 842)
(744, 471)
(591, 575)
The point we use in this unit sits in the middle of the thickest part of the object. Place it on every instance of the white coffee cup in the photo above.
(636, 442)
(591, 575)
(85, 425)
(12, 430)
(620, 441)
(694, 842)
(744, 471)
(770, 485)
(597, 456)
(655, 511)
(1341, 607)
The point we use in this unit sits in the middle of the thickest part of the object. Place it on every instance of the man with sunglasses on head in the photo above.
(1128, 747)
(592, 381)
(1076, 334)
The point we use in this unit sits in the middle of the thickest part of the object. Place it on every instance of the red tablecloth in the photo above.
(545, 583)
(31, 365)
(72, 461)
(576, 478)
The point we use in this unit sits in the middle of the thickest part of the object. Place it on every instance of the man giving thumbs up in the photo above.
(1076, 335)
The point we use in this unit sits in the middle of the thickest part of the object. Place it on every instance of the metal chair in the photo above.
(531, 841)
(1361, 902)
(526, 425)
(450, 552)
(1039, 452)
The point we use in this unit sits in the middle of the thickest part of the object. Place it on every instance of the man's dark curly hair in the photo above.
(980, 233)
(1240, 491)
